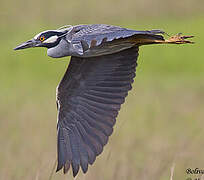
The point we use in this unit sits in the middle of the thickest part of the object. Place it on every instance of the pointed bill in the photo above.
(27, 44)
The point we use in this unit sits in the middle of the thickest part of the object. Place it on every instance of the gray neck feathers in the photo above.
(61, 50)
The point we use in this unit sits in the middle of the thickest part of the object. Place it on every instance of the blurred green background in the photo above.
(160, 124)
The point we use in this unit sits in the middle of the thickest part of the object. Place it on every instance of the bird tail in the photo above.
(154, 38)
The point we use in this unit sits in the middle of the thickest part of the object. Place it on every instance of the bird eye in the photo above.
(42, 38)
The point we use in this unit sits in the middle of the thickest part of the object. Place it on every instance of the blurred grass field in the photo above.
(161, 122)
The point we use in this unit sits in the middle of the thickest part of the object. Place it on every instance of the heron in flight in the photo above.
(99, 76)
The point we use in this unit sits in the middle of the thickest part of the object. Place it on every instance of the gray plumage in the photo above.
(99, 76)
(89, 98)
(95, 40)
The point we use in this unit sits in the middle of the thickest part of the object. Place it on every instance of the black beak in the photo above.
(27, 44)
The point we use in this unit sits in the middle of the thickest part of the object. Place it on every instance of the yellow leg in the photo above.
(177, 39)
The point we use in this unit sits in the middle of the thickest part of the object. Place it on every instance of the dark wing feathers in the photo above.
(89, 98)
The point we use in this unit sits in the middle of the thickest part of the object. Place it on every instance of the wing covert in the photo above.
(89, 98)
(96, 34)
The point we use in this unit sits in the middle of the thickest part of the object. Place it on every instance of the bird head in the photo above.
(48, 39)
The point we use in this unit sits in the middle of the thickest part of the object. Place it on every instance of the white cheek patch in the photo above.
(52, 39)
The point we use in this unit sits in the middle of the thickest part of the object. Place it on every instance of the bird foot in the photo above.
(179, 39)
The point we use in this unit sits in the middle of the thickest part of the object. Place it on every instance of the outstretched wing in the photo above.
(89, 98)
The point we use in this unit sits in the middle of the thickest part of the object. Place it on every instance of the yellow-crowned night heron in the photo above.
(100, 74)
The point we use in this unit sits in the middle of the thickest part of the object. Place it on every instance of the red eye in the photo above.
(42, 38)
